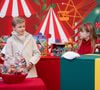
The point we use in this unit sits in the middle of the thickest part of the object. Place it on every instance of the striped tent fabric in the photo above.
(16, 8)
(53, 27)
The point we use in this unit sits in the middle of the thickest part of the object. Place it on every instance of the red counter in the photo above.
(28, 84)
(49, 70)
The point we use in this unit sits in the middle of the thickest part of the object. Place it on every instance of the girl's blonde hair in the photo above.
(17, 20)
(89, 27)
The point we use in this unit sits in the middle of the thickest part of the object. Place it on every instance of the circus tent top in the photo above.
(15, 8)
(52, 26)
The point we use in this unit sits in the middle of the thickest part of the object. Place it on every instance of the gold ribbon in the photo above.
(97, 74)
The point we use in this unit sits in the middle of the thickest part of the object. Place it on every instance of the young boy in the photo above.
(23, 42)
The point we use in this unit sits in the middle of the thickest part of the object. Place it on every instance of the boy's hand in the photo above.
(12, 70)
(21, 70)
(30, 65)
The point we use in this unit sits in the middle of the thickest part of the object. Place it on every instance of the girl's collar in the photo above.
(86, 40)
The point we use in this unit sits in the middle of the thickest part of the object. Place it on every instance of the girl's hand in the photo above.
(97, 45)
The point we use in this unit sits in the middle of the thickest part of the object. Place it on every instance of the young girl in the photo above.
(87, 39)
(23, 42)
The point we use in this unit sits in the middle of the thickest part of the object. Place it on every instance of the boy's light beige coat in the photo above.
(27, 46)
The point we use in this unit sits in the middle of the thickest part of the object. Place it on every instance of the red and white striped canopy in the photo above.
(15, 8)
(52, 26)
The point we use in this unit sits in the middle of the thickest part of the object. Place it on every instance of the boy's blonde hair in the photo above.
(17, 20)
